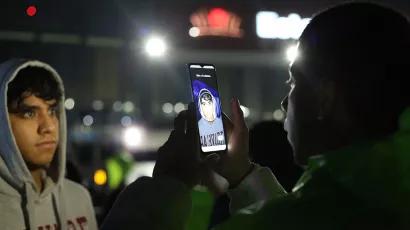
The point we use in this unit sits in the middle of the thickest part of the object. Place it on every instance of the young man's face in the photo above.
(301, 106)
(36, 129)
(207, 107)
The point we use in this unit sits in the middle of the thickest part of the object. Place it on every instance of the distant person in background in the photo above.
(117, 166)
(34, 193)
(264, 136)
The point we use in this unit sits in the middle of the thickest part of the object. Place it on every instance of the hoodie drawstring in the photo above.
(59, 207)
(29, 208)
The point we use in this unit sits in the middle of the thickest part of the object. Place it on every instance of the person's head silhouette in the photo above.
(348, 82)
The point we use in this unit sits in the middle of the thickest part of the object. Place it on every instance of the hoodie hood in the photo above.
(203, 91)
(13, 170)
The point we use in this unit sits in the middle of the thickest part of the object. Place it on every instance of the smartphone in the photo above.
(205, 94)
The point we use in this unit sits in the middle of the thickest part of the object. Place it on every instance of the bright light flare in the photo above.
(292, 53)
(155, 47)
(246, 111)
(132, 137)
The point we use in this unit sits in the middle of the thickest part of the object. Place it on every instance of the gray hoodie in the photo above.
(63, 204)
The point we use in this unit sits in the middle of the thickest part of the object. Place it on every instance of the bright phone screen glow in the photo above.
(208, 105)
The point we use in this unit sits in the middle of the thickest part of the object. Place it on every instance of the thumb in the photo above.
(237, 115)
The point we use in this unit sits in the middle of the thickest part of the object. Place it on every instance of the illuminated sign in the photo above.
(215, 22)
(270, 25)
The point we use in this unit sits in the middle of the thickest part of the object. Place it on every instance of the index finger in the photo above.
(192, 123)
(228, 125)
(179, 122)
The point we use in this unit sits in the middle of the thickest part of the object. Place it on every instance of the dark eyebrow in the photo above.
(23, 106)
(54, 105)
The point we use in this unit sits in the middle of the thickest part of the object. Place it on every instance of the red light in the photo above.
(31, 11)
(218, 17)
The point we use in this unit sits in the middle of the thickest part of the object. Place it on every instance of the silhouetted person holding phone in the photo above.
(348, 122)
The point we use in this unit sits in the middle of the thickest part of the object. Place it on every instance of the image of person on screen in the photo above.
(210, 125)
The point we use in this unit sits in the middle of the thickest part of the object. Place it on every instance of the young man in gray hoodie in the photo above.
(34, 193)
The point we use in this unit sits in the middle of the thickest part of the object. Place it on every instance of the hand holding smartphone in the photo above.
(205, 94)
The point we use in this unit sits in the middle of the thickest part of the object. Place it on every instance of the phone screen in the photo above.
(209, 113)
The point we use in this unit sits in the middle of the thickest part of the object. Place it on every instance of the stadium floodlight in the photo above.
(132, 137)
(155, 47)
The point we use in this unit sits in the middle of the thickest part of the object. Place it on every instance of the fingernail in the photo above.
(236, 100)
